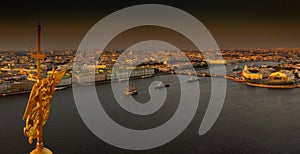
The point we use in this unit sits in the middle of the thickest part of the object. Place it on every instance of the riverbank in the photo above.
(84, 84)
(198, 74)
(262, 85)
(272, 86)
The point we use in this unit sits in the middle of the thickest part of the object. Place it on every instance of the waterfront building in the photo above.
(251, 74)
(282, 76)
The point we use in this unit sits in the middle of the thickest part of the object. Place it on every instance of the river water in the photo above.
(253, 120)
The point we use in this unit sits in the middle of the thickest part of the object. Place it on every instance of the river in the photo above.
(253, 120)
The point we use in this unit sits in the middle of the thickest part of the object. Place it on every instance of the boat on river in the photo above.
(131, 90)
(160, 85)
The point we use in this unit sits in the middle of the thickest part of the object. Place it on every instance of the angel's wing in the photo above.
(59, 75)
(31, 101)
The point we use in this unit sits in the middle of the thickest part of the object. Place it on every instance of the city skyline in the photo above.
(233, 24)
(131, 85)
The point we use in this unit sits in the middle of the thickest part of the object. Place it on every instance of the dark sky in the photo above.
(233, 23)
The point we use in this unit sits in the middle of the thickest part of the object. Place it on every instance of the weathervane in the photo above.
(38, 106)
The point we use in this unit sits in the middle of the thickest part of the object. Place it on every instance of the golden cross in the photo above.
(38, 56)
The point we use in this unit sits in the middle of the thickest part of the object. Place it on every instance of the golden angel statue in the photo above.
(38, 107)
